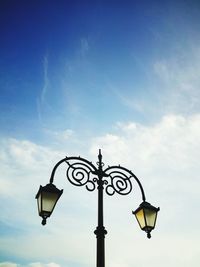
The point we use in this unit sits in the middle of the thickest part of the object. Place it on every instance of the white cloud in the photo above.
(8, 264)
(26, 154)
(34, 264)
(39, 264)
(61, 135)
(24, 166)
(165, 158)
(174, 137)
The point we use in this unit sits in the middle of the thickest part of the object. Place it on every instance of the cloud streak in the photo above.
(171, 87)
(46, 79)
(84, 47)
(41, 101)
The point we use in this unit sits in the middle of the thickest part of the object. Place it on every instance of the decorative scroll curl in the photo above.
(81, 172)
(119, 181)
(113, 179)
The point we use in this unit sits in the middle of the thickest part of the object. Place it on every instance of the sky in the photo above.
(120, 76)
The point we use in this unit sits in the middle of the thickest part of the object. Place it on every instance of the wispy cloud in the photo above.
(41, 99)
(180, 82)
(173, 86)
(46, 79)
(84, 49)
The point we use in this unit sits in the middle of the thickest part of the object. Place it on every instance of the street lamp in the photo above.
(47, 198)
(146, 216)
(113, 179)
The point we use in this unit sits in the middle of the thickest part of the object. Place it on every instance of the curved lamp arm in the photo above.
(79, 172)
(120, 181)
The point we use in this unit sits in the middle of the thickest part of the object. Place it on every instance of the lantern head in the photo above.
(146, 216)
(47, 197)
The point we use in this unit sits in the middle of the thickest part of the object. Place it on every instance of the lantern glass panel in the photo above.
(150, 217)
(49, 200)
(39, 204)
(140, 217)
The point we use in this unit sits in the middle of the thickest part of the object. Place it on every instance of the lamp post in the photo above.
(113, 179)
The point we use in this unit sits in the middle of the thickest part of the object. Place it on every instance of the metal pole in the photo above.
(100, 231)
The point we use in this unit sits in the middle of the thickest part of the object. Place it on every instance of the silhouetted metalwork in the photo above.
(114, 179)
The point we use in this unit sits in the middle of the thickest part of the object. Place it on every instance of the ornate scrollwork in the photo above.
(81, 172)
(113, 179)
(119, 181)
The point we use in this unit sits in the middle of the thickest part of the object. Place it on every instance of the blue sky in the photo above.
(110, 46)
(76, 76)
